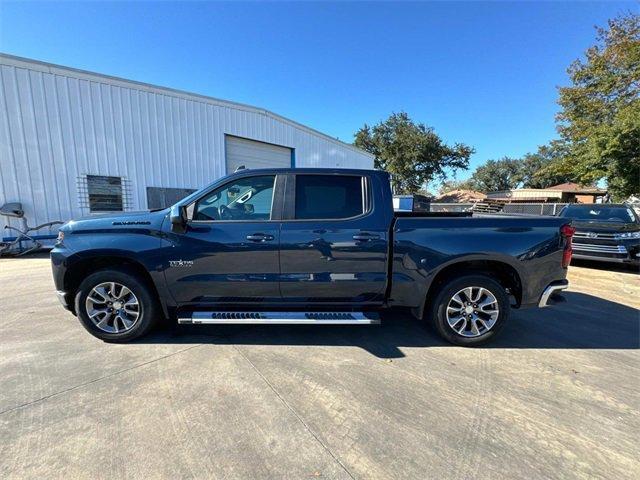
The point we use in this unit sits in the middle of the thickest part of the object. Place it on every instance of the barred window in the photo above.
(105, 193)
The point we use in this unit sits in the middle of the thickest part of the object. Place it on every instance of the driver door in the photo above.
(229, 252)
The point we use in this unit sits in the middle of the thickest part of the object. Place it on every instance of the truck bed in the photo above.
(432, 214)
(425, 244)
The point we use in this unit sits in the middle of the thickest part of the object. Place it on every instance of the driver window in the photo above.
(247, 199)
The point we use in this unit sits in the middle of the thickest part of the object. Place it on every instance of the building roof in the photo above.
(571, 187)
(550, 193)
(533, 199)
(460, 196)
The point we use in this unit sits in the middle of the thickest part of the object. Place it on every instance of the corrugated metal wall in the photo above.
(58, 124)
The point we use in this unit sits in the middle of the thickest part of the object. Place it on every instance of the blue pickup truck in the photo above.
(305, 246)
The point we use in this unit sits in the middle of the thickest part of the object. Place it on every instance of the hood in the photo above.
(608, 227)
(117, 220)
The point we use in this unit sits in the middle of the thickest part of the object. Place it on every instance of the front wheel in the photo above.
(116, 305)
(470, 310)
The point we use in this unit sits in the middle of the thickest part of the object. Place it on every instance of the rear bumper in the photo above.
(552, 289)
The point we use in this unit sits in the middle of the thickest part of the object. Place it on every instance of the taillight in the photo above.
(567, 232)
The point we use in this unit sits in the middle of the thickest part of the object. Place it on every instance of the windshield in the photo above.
(597, 213)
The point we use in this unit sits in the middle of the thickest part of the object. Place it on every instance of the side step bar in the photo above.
(280, 318)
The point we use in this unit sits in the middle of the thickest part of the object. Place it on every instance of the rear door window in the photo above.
(329, 197)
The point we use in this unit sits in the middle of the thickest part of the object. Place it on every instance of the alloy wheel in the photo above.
(112, 307)
(472, 311)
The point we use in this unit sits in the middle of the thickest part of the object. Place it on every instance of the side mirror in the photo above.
(178, 218)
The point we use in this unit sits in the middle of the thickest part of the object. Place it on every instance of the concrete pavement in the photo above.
(556, 396)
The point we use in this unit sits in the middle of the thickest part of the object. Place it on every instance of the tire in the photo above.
(121, 324)
(458, 328)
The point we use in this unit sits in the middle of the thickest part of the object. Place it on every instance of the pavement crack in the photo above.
(95, 380)
(292, 410)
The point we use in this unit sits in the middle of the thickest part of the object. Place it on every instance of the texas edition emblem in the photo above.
(181, 263)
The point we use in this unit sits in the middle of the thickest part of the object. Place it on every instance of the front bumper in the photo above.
(58, 257)
(65, 299)
(551, 291)
(611, 259)
(607, 250)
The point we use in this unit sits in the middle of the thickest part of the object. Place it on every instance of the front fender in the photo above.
(140, 246)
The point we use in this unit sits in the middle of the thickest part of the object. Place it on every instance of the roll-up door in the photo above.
(253, 154)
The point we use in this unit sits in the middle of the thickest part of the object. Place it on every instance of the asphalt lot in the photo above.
(558, 396)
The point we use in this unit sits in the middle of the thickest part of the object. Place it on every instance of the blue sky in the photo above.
(480, 73)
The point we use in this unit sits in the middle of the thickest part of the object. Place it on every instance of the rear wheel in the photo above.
(470, 310)
(116, 305)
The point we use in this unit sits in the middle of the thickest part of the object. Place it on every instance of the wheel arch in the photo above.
(504, 273)
(82, 267)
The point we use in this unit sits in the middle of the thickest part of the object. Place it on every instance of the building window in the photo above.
(105, 193)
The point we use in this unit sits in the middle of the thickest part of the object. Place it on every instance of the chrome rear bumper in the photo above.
(550, 290)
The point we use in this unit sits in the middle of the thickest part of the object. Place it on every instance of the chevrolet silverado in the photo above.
(305, 246)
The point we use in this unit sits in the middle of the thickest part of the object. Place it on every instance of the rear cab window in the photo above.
(329, 197)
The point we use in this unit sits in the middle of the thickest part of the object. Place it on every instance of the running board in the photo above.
(281, 318)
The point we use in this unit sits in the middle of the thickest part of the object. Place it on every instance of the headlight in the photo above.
(627, 235)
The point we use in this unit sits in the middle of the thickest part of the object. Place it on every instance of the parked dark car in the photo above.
(305, 246)
(605, 232)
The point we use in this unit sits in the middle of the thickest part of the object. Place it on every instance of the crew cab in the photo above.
(305, 246)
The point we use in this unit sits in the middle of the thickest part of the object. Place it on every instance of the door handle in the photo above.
(365, 237)
(259, 237)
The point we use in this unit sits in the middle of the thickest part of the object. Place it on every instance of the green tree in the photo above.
(411, 152)
(494, 175)
(600, 117)
(449, 185)
(540, 169)
(534, 170)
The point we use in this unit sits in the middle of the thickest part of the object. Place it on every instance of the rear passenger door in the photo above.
(333, 249)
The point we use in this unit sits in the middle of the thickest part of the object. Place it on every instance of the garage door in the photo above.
(252, 154)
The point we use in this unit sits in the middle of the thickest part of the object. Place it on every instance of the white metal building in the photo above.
(74, 142)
